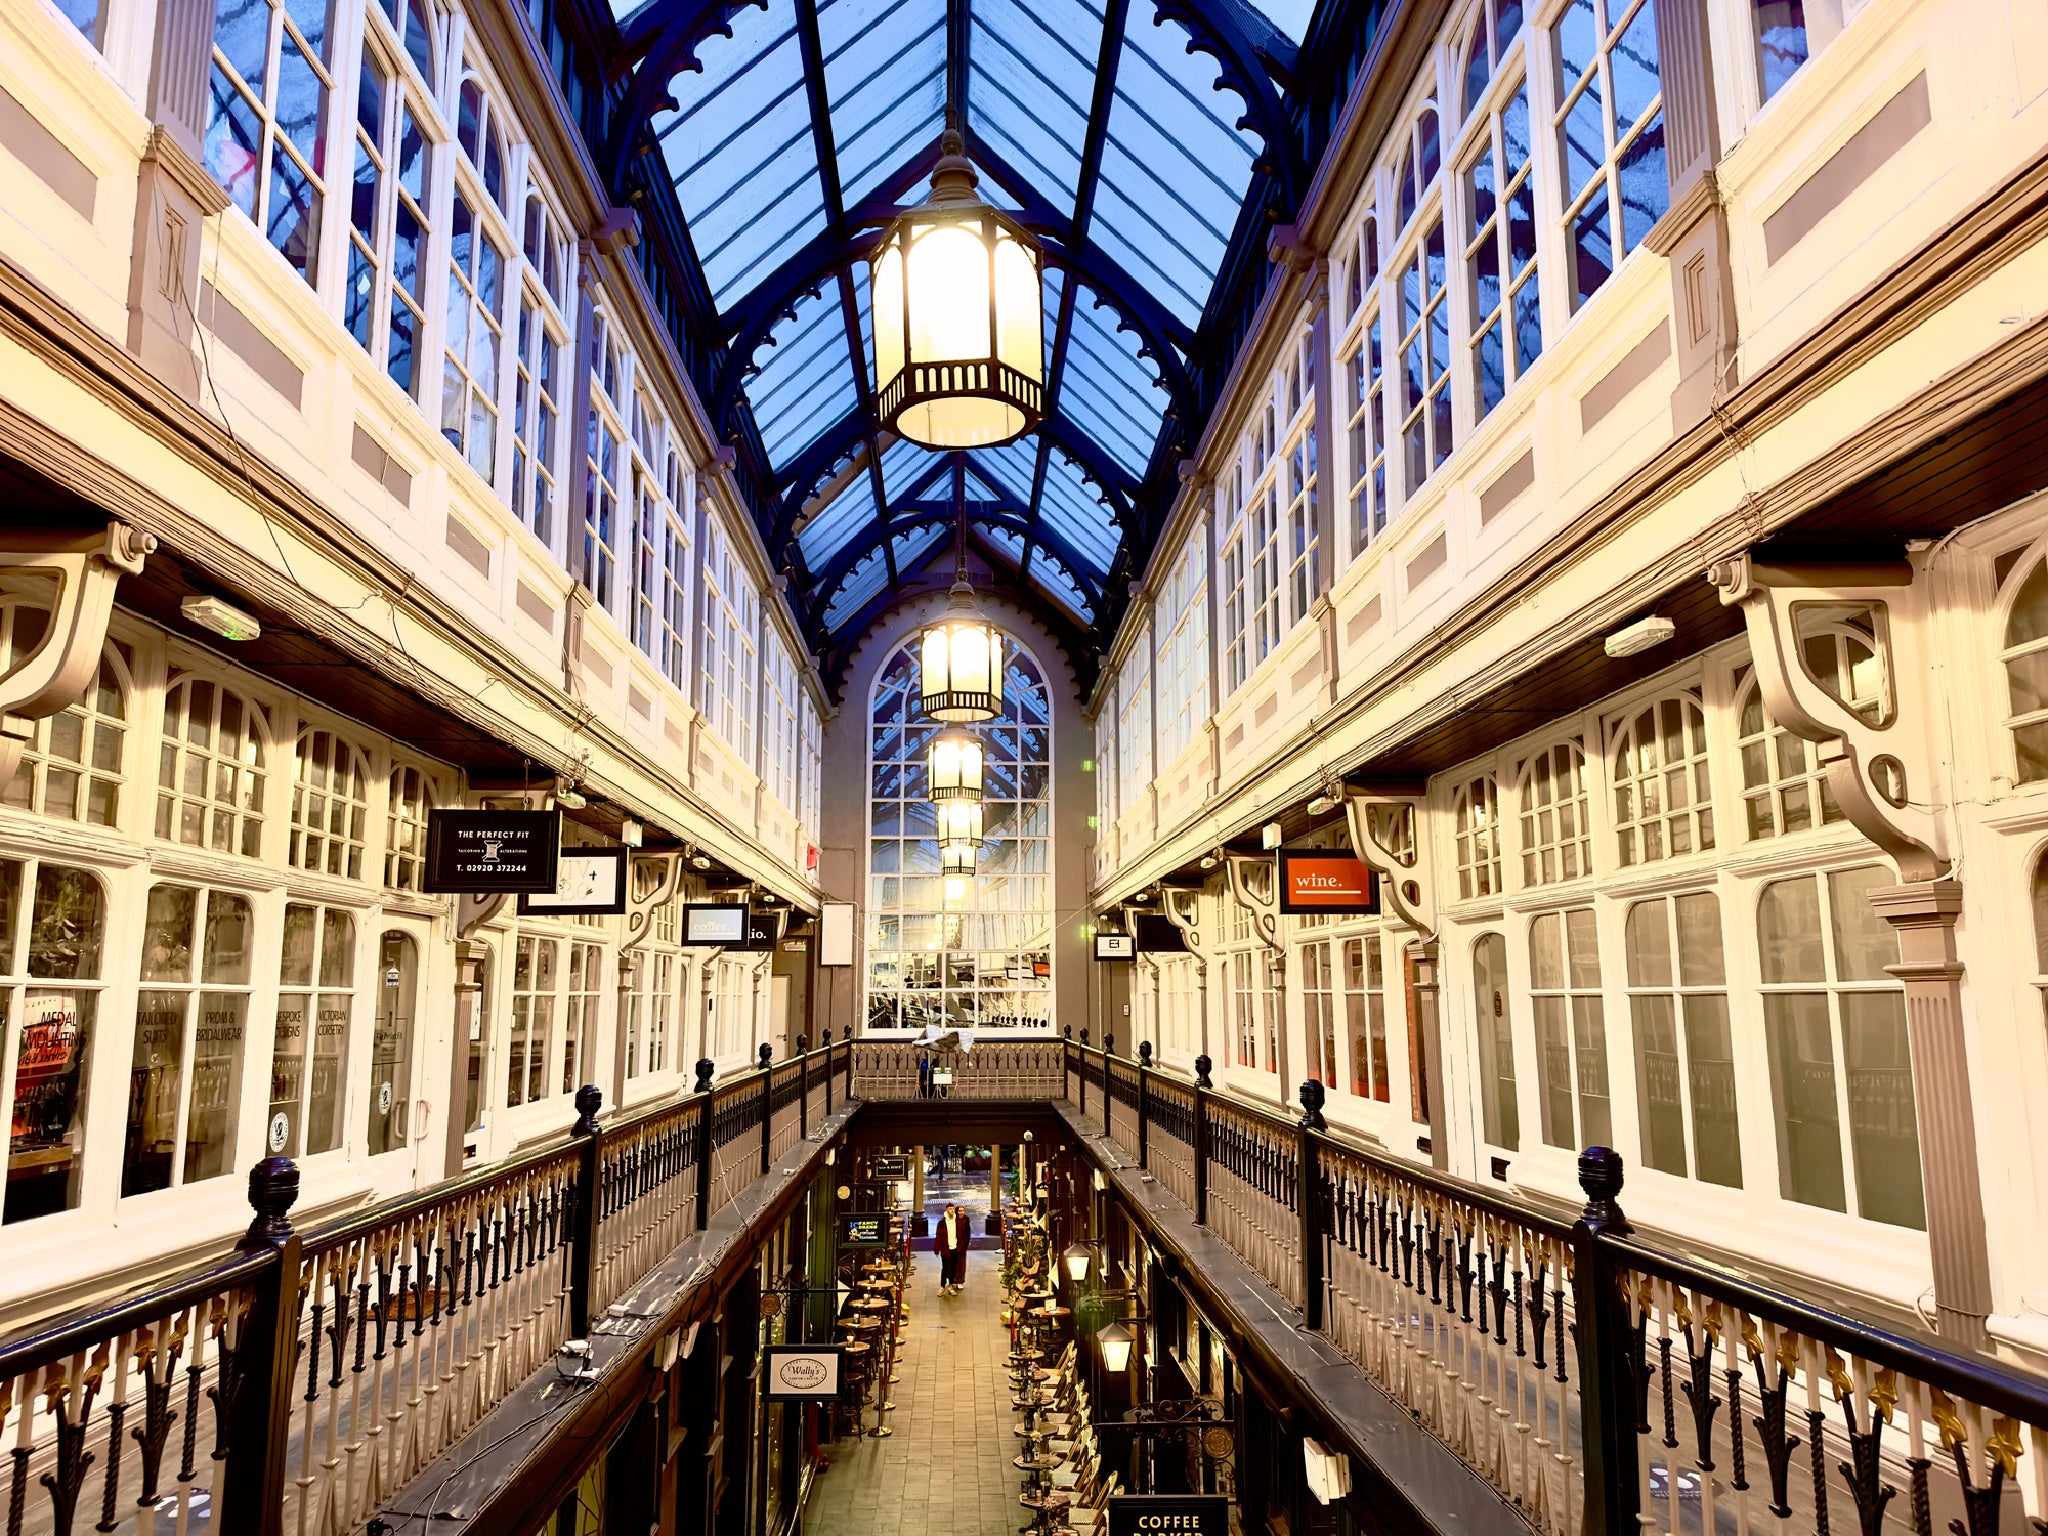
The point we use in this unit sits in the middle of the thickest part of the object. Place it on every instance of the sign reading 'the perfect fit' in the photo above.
(1169, 1514)
(486, 853)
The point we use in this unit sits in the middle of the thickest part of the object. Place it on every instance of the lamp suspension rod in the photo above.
(959, 517)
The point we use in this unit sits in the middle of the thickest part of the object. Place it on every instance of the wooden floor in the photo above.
(946, 1469)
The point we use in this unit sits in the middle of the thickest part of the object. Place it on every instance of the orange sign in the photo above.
(1327, 883)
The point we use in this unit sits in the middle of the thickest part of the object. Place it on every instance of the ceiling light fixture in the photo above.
(1643, 635)
(959, 329)
(960, 822)
(224, 619)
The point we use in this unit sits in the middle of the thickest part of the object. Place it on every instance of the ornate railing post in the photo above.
(767, 1102)
(1144, 1065)
(826, 1036)
(583, 1235)
(259, 1401)
(1081, 1071)
(707, 1139)
(1609, 1349)
(1108, 1093)
(1310, 1202)
(1202, 1087)
(803, 1085)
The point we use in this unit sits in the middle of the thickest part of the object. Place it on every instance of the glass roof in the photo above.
(792, 139)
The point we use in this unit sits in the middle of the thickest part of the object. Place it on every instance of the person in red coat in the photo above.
(950, 1238)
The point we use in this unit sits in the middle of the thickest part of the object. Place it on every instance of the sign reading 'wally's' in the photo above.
(486, 853)
(1169, 1514)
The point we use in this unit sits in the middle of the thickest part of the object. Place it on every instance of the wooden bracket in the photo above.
(640, 910)
(1387, 836)
(1264, 910)
(1863, 752)
(85, 567)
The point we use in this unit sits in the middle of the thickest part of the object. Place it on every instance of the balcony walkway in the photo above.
(946, 1467)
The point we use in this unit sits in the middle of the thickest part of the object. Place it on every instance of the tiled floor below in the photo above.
(946, 1469)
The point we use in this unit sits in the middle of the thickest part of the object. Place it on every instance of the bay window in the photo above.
(678, 543)
(1134, 723)
(266, 114)
(608, 464)
(731, 624)
(1506, 316)
(1183, 652)
(1231, 559)
(1366, 430)
(1610, 135)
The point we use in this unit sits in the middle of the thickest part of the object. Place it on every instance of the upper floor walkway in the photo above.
(1484, 1362)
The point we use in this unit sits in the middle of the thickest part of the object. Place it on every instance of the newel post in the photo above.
(1202, 1087)
(265, 1350)
(1309, 1198)
(706, 1139)
(589, 1138)
(803, 1085)
(1608, 1346)
(1108, 1093)
(767, 1102)
(1144, 1066)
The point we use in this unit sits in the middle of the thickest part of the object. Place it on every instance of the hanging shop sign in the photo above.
(864, 1229)
(1157, 935)
(1169, 1514)
(587, 881)
(890, 1167)
(1115, 946)
(720, 923)
(801, 1373)
(1328, 884)
(492, 853)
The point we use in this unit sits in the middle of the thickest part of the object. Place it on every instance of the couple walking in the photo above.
(950, 1239)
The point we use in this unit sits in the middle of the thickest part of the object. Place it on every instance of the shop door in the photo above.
(394, 1039)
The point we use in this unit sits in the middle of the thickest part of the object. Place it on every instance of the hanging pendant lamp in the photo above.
(959, 823)
(960, 660)
(953, 769)
(958, 316)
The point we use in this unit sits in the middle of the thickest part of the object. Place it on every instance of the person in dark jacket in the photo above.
(951, 1235)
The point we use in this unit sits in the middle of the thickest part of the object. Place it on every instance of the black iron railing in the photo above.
(300, 1382)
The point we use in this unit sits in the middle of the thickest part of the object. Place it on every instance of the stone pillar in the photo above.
(623, 1045)
(1693, 235)
(174, 195)
(1923, 914)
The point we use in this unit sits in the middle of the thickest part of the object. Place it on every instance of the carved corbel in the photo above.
(473, 911)
(1387, 836)
(640, 910)
(1183, 909)
(85, 568)
(1864, 759)
(1264, 909)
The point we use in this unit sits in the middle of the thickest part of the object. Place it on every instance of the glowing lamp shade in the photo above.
(959, 327)
(956, 862)
(960, 823)
(954, 767)
(960, 665)
(1076, 1259)
(1116, 1347)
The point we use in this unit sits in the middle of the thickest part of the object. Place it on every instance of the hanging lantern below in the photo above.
(954, 767)
(956, 861)
(958, 317)
(960, 672)
(960, 823)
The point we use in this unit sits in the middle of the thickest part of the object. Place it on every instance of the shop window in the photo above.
(1557, 844)
(1835, 1034)
(1499, 1111)
(535, 986)
(391, 1041)
(1610, 135)
(2026, 674)
(586, 966)
(309, 1052)
(1685, 1051)
(52, 931)
(330, 806)
(1365, 1016)
(405, 828)
(1663, 805)
(1475, 821)
(1784, 787)
(1319, 1015)
(266, 118)
(210, 770)
(191, 1020)
(1571, 1030)
(72, 766)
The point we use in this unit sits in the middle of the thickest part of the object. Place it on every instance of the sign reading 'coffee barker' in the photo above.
(486, 853)
(1333, 884)
(1169, 1514)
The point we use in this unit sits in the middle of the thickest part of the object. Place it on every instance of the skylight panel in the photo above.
(835, 526)
(885, 78)
(1033, 77)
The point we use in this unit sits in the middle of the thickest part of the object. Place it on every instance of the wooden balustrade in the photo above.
(990, 1069)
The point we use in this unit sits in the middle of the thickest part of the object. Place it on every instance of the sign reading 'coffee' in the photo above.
(489, 853)
(1169, 1514)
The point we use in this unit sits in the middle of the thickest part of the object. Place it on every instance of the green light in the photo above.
(1087, 765)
